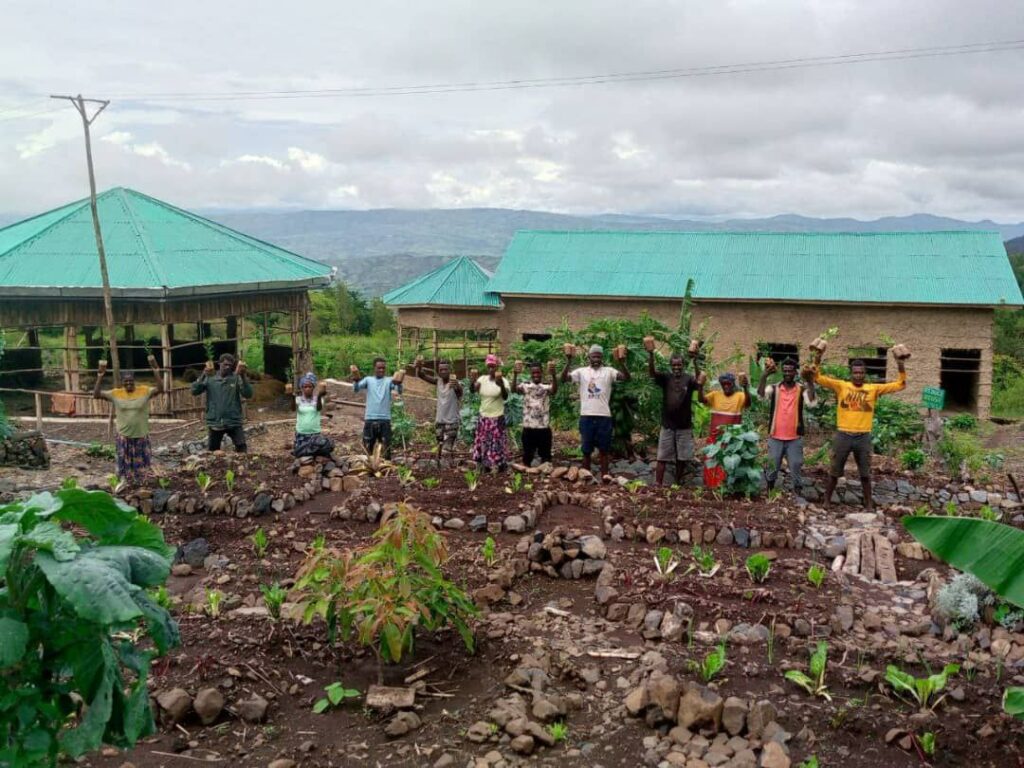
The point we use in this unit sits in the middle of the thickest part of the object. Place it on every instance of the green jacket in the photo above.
(223, 399)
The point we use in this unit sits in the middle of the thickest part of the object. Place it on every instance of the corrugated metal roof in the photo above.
(152, 248)
(964, 268)
(459, 283)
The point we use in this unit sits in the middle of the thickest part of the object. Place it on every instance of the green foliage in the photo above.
(913, 458)
(960, 449)
(472, 478)
(259, 543)
(665, 562)
(164, 482)
(559, 731)
(204, 481)
(1013, 702)
(403, 425)
(214, 597)
(1007, 371)
(927, 742)
(430, 483)
(74, 615)
(758, 566)
(487, 551)
(229, 480)
(704, 560)
(515, 484)
(469, 414)
(337, 694)
(968, 543)
(813, 683)
(634, 486)
(273, 597)
(810, 762)
(341, 310)
(387, 591)
(405, 476)
(161, 597)
(332, 355)
(920, 689)
(736, 451)
(896, 423)
(101, 451)
(816, 575)
(712, 664)
(963, 422)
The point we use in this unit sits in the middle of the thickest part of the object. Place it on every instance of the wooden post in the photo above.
(166, 346)
(39, 412)
(72, 376)
(465, 353)
(436, 350)
(400, 331)
(231, 332)
(296, 360)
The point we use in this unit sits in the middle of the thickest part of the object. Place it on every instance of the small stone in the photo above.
(593, 547)
(175, 703)
(637, 701)
(761, 713)
(445, 761)
(478, 523)
(734, 715)
(774, 756)
(253, 709)
(522, 744)
(455, 524)
(181, 569)
(208, 705)
(282, 762)
(402, 723)
(515, 524)
(654, 534)
(193, 553)
(700, 706)
(479, 732)
(605, 595)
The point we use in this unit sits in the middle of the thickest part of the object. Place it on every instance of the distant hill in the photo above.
(1015, 246)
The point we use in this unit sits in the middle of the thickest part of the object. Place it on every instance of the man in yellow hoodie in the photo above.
(854, 416)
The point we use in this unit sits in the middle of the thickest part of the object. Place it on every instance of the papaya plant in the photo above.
(74, 616)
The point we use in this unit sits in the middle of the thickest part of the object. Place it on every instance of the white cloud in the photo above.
(308, 161)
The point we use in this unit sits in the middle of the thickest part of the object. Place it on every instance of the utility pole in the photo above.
(80, 105)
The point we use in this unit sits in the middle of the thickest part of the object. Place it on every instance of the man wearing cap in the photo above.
(595, 382)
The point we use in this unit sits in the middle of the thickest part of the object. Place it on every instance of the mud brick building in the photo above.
(934, 291)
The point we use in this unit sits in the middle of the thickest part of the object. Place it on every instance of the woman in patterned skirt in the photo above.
(490, 445)
(131, 417)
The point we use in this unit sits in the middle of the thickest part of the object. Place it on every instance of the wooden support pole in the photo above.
(296, 358)
(166, 346)
(39, 412)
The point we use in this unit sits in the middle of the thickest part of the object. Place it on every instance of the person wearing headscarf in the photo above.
(308, 405)
(131, 417)
(490, 444)
(595, 382)
(727, 403)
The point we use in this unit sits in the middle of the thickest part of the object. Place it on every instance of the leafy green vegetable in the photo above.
(920, 689)
(814, 683)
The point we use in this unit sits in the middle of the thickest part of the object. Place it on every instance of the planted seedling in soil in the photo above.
(488, 551)
(405, 476)
(634, 486)
(704, 561)
(273, 597)
(920, 689)
(927, 742)
(515, 484)
(259, 543)
(665, 562)
(431, 483)
(229, 480)
(337, 694)
(816, 575)
(810, 762)
(161, 597)
(814, 684)
(758, 566)
(472, 478)
(213, 601)
(164, 482)
(113, 482)
(204, 481)
(713, 663)
(558, 731)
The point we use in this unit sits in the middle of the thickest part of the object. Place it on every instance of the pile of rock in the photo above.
(176, 704)
(26, 450)
(564, 554)
(730, 732)
(262, 502)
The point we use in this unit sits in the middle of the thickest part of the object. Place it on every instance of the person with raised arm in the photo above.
(224, 390)
(595, 382)
(377, 416)
(449, 400)
(131, 418)
(536, 410)
(490, 444)
(308, 405)
(675, 439)
(786, 403)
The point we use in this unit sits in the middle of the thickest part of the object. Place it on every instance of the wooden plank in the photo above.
(885, 560)
(852, 554)
(867, 556)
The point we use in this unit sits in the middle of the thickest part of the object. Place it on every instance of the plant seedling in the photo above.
(816, 575)
(758, 566)
(1013, 701)
(229, 480)
(987, 513)
(810, 762)
(161, 597)
(951, 508)
(113, 482)
(558, 731)
(337, 694)
(405, 476)
(920, 689)
(927, 742)
(665, 562)
(921, 510)
(814, 684)
(273, 597)
(704, 561)
(213, 601)
(712, 664)
(698, 492)
(430, 483)
(472, 478)
(204, 481)
(259, 543)
(515, 484)
(774, 494)
(68, 484)
(634, 486)
(487, 551)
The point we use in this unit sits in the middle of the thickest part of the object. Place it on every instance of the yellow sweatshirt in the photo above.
(857, 404)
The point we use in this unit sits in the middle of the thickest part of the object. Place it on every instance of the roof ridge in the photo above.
(423, 278)
(73, 208)
(448, 270)
(148, 254)
(268, 248)
(756, 232)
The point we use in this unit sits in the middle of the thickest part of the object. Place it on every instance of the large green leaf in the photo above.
(13, 641)
(94, 588)
(993, 552)
(142, 533)
(88, 734)
(8, 538)
(141, 567)
(95, 511)
(1013, 702)
(50, 537)
(162, 627)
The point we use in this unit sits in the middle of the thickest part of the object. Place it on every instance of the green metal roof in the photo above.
(459, 283)
(153, 249)
(961, 268)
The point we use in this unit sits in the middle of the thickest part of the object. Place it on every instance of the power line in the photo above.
(30, 114)
(598, 79)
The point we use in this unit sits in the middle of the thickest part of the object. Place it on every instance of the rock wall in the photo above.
(26, 450)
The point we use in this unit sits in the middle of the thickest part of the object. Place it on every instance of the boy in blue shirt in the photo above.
(377, 421)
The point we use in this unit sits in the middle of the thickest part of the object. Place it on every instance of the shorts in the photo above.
(446, 435)
(377, 431)
(595, 432)
(845, 443)
(675, 444)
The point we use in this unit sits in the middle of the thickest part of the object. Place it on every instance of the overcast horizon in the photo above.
(936, 134)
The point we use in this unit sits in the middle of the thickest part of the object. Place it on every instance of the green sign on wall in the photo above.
(933, 397)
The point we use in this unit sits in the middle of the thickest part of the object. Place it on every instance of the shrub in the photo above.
(960, 449)
(402, 424)
(963, 422)
(960, 599)
(736, 451)
(896, 423)
(913, 458)
(75, 613)
(387, 591)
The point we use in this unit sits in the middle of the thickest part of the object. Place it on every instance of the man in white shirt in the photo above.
(595, 382)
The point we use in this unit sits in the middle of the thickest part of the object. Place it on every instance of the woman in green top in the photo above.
(309, 438)
(131, 416)
(490, 444)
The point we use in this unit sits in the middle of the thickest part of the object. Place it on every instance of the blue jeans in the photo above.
(793, 450)
(596, 432)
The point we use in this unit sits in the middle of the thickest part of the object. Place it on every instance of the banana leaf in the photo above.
(992, 552)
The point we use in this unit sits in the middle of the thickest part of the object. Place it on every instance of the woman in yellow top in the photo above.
(131, 417)
(490, 444)
(855, 413)
(727, 403)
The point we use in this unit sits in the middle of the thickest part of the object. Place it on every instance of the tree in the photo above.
(381, 318)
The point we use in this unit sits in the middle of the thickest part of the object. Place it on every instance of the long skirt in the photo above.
(133, 458)
(317, 444)
(490, 445)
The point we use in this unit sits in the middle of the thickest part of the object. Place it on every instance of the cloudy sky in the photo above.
(943, 135)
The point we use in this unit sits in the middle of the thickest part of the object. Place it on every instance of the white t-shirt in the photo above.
(595, 389)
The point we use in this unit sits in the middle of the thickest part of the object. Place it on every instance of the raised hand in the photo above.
(518, 366)
(619, 353)
(649, 343)
(102, 368)
(742, 380)
(289, 389)
(901, 352)
(241, 368)
(702, 379)
(770, 366)
(568, 350)
(208, 368)
(322, 387)
(694, 348)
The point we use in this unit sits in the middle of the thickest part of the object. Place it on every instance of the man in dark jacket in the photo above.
(224, 392)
